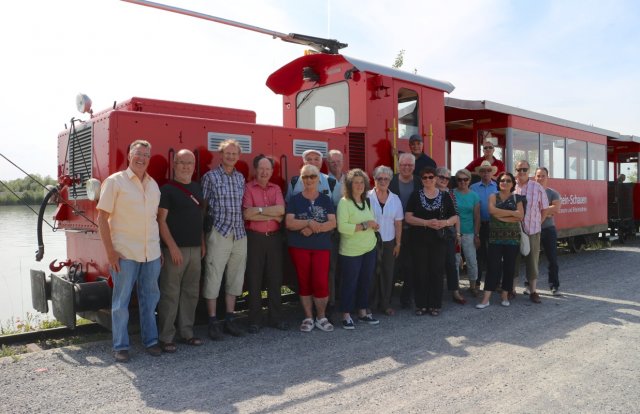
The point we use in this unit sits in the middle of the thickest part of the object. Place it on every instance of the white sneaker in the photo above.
(482, 306)
(526, 291)
(324, 325)
(505, 303)
(556, 292)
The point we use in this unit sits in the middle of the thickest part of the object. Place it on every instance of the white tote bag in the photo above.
(525, 247)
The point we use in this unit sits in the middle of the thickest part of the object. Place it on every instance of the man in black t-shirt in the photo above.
(180, 216)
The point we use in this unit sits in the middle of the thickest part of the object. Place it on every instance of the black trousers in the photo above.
(264, 267)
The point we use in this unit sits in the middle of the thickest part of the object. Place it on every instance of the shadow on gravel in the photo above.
(276, 370)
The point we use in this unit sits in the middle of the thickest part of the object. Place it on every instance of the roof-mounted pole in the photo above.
(331, 46)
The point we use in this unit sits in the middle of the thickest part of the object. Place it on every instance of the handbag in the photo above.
(525, 247)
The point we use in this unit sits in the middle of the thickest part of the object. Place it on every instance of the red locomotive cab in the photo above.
(376, 107)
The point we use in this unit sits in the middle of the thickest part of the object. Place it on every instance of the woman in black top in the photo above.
(428, 212)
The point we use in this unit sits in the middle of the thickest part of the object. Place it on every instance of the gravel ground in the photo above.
(576, 353)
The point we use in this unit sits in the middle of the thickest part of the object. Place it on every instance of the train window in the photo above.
(526, 146)
(576, 159)
(597, 156)
(553, 155)
(323, 108)
(408, 113)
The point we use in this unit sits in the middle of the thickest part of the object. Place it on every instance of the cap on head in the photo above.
(311, 151)
(415, 137)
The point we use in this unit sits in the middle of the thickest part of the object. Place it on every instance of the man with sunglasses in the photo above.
(487, 156)
(537, 203)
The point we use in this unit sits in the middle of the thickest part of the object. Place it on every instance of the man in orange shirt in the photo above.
(127, 213)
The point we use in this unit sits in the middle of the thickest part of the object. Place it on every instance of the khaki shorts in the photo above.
(224, 252)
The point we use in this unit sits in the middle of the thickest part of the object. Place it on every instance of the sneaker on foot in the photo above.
(215, 331)
(483, 305)
(324, 325)
(505, 303)
(348, 324)
(556, 291)
(368, 318)
(526, 291)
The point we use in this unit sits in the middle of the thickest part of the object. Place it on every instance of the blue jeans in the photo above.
(356, 273)
(469, 249)
(549, 241)
(145, 276)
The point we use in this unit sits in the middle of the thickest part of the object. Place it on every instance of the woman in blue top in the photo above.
(310, 218)
(468, 234)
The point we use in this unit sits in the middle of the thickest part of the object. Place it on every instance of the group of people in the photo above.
(347, 242)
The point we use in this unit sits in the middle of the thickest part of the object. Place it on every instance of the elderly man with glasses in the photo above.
(537, 204)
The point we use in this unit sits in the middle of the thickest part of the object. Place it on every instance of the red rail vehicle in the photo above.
(330, 101)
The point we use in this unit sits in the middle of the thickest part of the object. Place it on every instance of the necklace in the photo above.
(357, 206)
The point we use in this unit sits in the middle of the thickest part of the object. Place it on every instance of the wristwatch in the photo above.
(260, 210)
(364, 225)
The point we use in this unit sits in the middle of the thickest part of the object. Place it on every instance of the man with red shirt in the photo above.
(263, 206)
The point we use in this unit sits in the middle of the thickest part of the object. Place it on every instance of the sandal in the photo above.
(307, 325)
(435, 312)
(194, 341)
(389, 312)
(421, 311)
(168, 347)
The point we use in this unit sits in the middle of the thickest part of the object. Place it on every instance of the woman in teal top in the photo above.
(357, 255)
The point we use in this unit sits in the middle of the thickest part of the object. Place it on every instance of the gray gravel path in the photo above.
(577, 353)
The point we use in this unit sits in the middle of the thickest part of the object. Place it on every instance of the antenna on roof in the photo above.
(330, 46)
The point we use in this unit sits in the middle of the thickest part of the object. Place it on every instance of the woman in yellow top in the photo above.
(357, 255)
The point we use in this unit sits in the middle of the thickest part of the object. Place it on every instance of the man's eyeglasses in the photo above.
(487, 148)
(185, 162)
(383, 179)
(407, 165)
(141, 154)
(442, 177)
(485, 171)
(463, 179)
(522, 169)
(309, 177)
(428, 177)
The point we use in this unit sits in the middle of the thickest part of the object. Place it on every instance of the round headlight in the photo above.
(93, 189)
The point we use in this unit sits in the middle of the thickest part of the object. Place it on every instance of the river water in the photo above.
(17, 256)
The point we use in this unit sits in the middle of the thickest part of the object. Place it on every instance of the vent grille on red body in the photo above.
(356, 150)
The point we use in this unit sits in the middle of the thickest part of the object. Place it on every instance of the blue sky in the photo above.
(576, 60)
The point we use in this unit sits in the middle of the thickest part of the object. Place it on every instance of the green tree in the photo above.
(397, 64)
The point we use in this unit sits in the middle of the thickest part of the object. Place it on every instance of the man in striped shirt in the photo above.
(535, 212)
(223, 189)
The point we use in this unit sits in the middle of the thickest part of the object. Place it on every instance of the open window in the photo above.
(408, 113)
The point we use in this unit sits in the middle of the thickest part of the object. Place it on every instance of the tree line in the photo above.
(28, 190)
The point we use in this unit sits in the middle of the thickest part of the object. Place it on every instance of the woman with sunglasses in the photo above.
(310, 218)
(506, 211)
(468, 235)
(428, 212)
(357, 256)
(387, 209)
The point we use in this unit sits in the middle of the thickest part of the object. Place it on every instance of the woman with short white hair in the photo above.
(387, 209)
